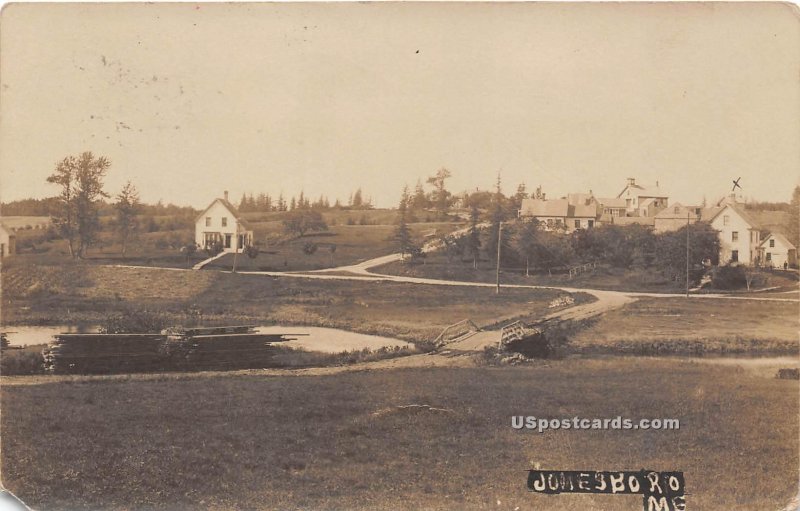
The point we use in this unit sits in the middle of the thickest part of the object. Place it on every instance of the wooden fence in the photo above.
(455, 331)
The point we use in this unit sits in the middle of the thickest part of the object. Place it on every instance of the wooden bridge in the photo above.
(467, 336)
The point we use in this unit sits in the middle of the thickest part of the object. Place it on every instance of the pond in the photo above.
(328, 340)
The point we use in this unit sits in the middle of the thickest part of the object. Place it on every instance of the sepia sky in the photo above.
(188, 100)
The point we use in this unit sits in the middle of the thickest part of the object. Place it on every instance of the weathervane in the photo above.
(736, 184)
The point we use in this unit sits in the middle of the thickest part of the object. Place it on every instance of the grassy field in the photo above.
(345, 442)
(353, 244)
(86, 293)
(701, 326)
(437, 266)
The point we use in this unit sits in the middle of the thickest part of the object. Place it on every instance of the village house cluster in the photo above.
(742, 239)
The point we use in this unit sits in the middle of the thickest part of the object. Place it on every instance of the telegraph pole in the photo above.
(499, 237)
(687, 254)
(235, 245)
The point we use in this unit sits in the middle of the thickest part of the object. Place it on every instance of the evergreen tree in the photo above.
(420, 200)
(402, 235)
(794, 217)
(127, 207)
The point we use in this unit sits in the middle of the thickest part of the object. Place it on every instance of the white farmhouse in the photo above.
(221, 223)
(777, 251)
(8, 241)
(643, 201)
(739, 236)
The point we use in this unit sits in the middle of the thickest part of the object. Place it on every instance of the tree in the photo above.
(440, 194)
(299, 222)
(670, 250)
(474, 236)
(524, 242)
(357, 201)
(81, 181)
(420, 200)
(497, 215)
(127, 207)
(521, 194)
(794, 216)
(402, 235)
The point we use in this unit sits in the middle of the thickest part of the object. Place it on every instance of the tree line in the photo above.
(265, 203)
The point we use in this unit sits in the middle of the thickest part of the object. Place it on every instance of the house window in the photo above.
(208, 221)
(734, 256)
(769, 256)
(677, 209)
(591, 223)
(224, 221)
(726, 220)
(771, 243)
(577, 224)
(735, 236)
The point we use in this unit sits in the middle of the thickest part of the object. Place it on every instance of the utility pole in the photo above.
(499, 237)
(687, 254)
(236, 245)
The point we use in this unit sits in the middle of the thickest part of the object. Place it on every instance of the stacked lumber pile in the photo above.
(175, 349)
(104, 353)
(220, 348)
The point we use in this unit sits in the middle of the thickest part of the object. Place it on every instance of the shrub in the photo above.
(24, 361)
(728, 277)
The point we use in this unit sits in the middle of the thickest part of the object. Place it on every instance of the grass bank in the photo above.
(603, 277)
(677, 326)
(350, 441)
(86, 293)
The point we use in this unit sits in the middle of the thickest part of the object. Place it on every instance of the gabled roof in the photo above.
(10, 233)
(709, 217)
(645, 191)
(557, 208)
(584, 210)
(780, 238)
(546, 208)
(669, 211)
(230, 207)
(613, 202)
(576, 199)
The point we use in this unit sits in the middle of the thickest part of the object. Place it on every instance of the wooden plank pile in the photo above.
(104, 353)
(175, 349)
(220, 348)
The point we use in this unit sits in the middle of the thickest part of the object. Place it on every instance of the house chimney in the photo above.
(225, 194)
(543, 196)
(631, 181)
(656, 184)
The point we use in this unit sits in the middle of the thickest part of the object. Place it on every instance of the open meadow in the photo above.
(347, 442)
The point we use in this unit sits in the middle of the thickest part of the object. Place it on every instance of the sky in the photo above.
(188, 100)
